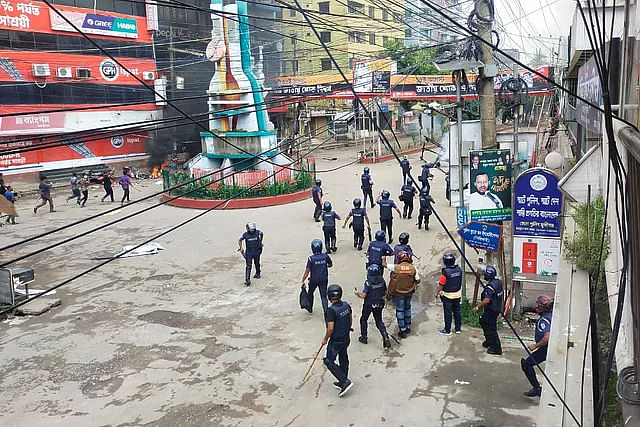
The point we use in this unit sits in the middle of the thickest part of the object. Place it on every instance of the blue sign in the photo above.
(537, 204)
(461, 216)
(482, 235)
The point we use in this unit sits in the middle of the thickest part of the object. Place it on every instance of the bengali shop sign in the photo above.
(20, 15)
(537, 208)
(33, 122)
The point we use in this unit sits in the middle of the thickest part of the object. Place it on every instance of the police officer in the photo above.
(408, 193)
(316, 193)
(403, 246)
(386, 214)
(402, 285)
(253, 237)
(539, 348)
(318, 265)
(378, 249)
(492, 304)
(339, 318)
(424, 175)
(450, 293)
(329, 226)
(406, 167)
(359, 215)
(373, 294)
(367, 186)
(425, 208)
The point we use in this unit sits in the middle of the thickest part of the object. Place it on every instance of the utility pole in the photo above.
(458, 75)
(515, 171)
(485, 82)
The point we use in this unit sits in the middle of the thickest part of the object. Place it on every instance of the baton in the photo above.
(369, 232)
(395, 339)
(312, 362)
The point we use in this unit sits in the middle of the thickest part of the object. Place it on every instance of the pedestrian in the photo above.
(450, 293)
(329, 217)
(2, 187)
(406, 167)
(11, 196)
(359, 215)
(539, 348)
(316, 194)
(386, 215)
(373, 294)
(107, 183)
(408, 192)
(425, 175)
(403, 246)
(75, 192)
(45, 195)
(491, 303)
(425, 208)
(402, 285)
(254, 238)
(367, 186)
(125, 183)
(339, 320)
(378, 249)
(318, 265)
(83, 185)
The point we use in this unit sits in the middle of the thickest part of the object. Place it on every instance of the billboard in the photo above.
(94, 23)
(490, 189)
(373, 76)
(537, 204)
(589, 88)
(536, 259)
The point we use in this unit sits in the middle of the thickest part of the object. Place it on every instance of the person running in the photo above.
(107, 183)
(74, 188)
(83, 185)
(45, 195)
(125, 183)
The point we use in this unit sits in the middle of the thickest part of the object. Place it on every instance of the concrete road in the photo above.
(176, 339)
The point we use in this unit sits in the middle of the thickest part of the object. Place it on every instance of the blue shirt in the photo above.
(542, 327)
(329, 218)
(10, 196)
(45, 190)
(319, 265)
(358, 216)
(405, 165)
(375, 291)
(399, 248)
(365, 178)
(408, 192)
(316, 193)
(377, 250)
(386, 206)
(253, 241)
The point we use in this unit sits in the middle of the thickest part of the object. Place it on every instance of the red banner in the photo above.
(36, 122)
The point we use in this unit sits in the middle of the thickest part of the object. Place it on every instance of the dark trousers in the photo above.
(85, 196)
(249, 258)
(75, 195)
(317, 211)
(528, 365)
(376, 309)
(386, 225)
(109, 193)
(338, 349)
(405, 173)
(408, 208)
(358, 236)
(125, 195)
(451, 306)
(329, 237)
(424, 214)
(489, 323)
(44, 202)
(368, 192)
(322, 288)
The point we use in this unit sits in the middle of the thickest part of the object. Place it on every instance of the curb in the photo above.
(256, 202)
(369, 160)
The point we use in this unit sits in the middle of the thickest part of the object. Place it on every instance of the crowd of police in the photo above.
(403, 282)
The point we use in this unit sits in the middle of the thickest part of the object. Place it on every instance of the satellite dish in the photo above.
(553, 160)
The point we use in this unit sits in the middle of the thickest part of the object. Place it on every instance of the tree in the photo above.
(411, 60)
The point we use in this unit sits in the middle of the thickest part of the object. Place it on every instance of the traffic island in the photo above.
(254, 202)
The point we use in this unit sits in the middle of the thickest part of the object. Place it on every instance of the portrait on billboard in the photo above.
(490, 189)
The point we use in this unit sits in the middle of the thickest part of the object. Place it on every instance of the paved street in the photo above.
(176, 339)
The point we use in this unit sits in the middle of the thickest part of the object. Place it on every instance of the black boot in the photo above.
(385, 341)
(247, 276)
(362, 339)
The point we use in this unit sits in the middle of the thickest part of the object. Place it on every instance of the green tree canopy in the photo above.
(411, 60)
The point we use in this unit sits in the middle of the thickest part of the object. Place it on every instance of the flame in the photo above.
(155, 173)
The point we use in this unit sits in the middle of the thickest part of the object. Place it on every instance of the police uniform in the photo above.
(367, 190)
(316, 194)
(358, 215)
(329, 229)
(386, 216)
(373, 303)
(451, 278)
(376, 251)
(408, 193)
(425, 210)
(318, 265)
(404, 163)
(489, 318)
(424, 178)
(401, 247)
(543, 325)
(253, 242)
(340, 314)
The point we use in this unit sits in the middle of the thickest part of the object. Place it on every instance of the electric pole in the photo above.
(485, 88)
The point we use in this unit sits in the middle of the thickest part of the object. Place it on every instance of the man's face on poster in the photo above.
(482, 183)
(476, 161)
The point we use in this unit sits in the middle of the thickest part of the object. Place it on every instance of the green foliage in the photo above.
(303, 180)
(410, 60)
(572, 162)
(584, 247)
(469, 317)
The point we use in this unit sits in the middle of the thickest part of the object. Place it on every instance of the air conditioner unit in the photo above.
(148, 75)
(83, 73)
(41, 70)
(64, 72)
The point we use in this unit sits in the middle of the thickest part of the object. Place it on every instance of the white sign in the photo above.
(536, 258)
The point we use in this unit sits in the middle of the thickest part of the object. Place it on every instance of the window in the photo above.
(355, 7)
(351, 63)
(424, 32)
(397, 18)
(295, 66)
(351, 36)
(325, 36)
(372, 38)
(385, 15)
(407, 33)
(361, 37)
(292, 12)
(385, 39)
(323, 7)
(372, 12)
(325, 64)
